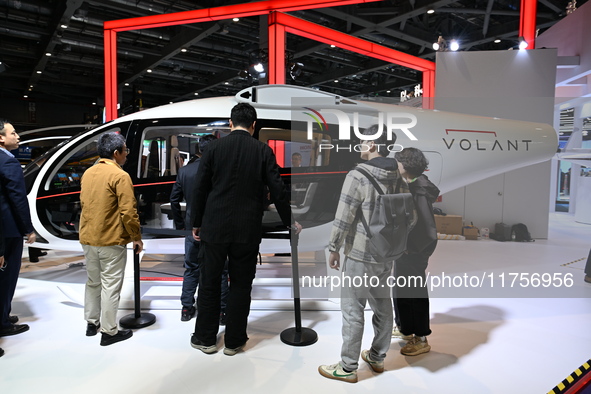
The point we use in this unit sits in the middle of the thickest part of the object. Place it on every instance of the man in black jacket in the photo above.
(227, 219)
(186, 187)
(411, 303)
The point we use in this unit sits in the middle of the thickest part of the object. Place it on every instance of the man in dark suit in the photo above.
(16, 223)
(1, 258)
(227, 219)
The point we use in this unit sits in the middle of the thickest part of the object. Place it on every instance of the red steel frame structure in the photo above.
(278, 26)
(527, 22)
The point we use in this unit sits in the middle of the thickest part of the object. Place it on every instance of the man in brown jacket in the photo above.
(109, 221)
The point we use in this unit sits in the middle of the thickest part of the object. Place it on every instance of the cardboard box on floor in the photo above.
(471, 232)
(449, 224)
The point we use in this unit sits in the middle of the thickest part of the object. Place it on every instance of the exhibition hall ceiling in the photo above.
(52, 50)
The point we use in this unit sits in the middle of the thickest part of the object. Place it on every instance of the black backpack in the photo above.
(519, 233)
(389, 223)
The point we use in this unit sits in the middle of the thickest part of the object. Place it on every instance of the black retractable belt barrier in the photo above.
(137, 319)
(298, 335)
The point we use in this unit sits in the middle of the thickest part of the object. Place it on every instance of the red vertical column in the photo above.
(428, 88)
(110, 75)
(527, 22)
(276, 51)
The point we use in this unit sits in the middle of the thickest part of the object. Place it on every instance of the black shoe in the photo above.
(13, 319)
(43, 253)
(33, 259)
(121, 335)
(1, 352)
(92, 329)
(188, 313)
(13, 330)
(207, 349)
(223, 319)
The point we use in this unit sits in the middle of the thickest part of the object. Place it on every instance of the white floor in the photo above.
(479, 345)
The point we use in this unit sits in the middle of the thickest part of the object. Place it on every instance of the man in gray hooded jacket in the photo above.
(363, 279)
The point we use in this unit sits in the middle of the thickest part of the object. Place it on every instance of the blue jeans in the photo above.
(191, 276)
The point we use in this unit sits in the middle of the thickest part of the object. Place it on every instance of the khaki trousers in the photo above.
(105, 267)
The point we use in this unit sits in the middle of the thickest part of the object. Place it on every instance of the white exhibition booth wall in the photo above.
(510, 84)
(571, 37)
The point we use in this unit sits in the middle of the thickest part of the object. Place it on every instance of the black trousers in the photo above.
(9, 276)
(588, 265)
(242, 259)
(411, 302)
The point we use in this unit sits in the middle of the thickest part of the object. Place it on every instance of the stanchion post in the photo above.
(137, 319)
(298, 335)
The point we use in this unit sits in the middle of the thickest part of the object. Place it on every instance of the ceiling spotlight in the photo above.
(235, 19)
(226, 83)
(25, 96)
(498, 40)
(336, 80)
(257, 59)
(64, 26)
(454, 45)
(39, 72)
(431, 11)
(93, 103)
(259, 67)
(183, 49)
(48, 54)
(332, 46)
(196, 93)
(149, 70)
(440, 44)
(295, 70)
(522, 43)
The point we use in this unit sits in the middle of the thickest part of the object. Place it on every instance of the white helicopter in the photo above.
(321, 127)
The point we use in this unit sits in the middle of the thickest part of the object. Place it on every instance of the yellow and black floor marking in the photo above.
(575, 382)
(572, 262)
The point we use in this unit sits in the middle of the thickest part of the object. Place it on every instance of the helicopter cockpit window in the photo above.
(293, 150)
(168, 148)
(69, 172)
(164, 151)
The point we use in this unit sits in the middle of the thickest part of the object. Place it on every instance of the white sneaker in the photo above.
(377, 366)
(397, 334)
(337, 372)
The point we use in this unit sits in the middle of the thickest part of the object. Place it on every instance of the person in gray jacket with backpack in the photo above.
(358, 197)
